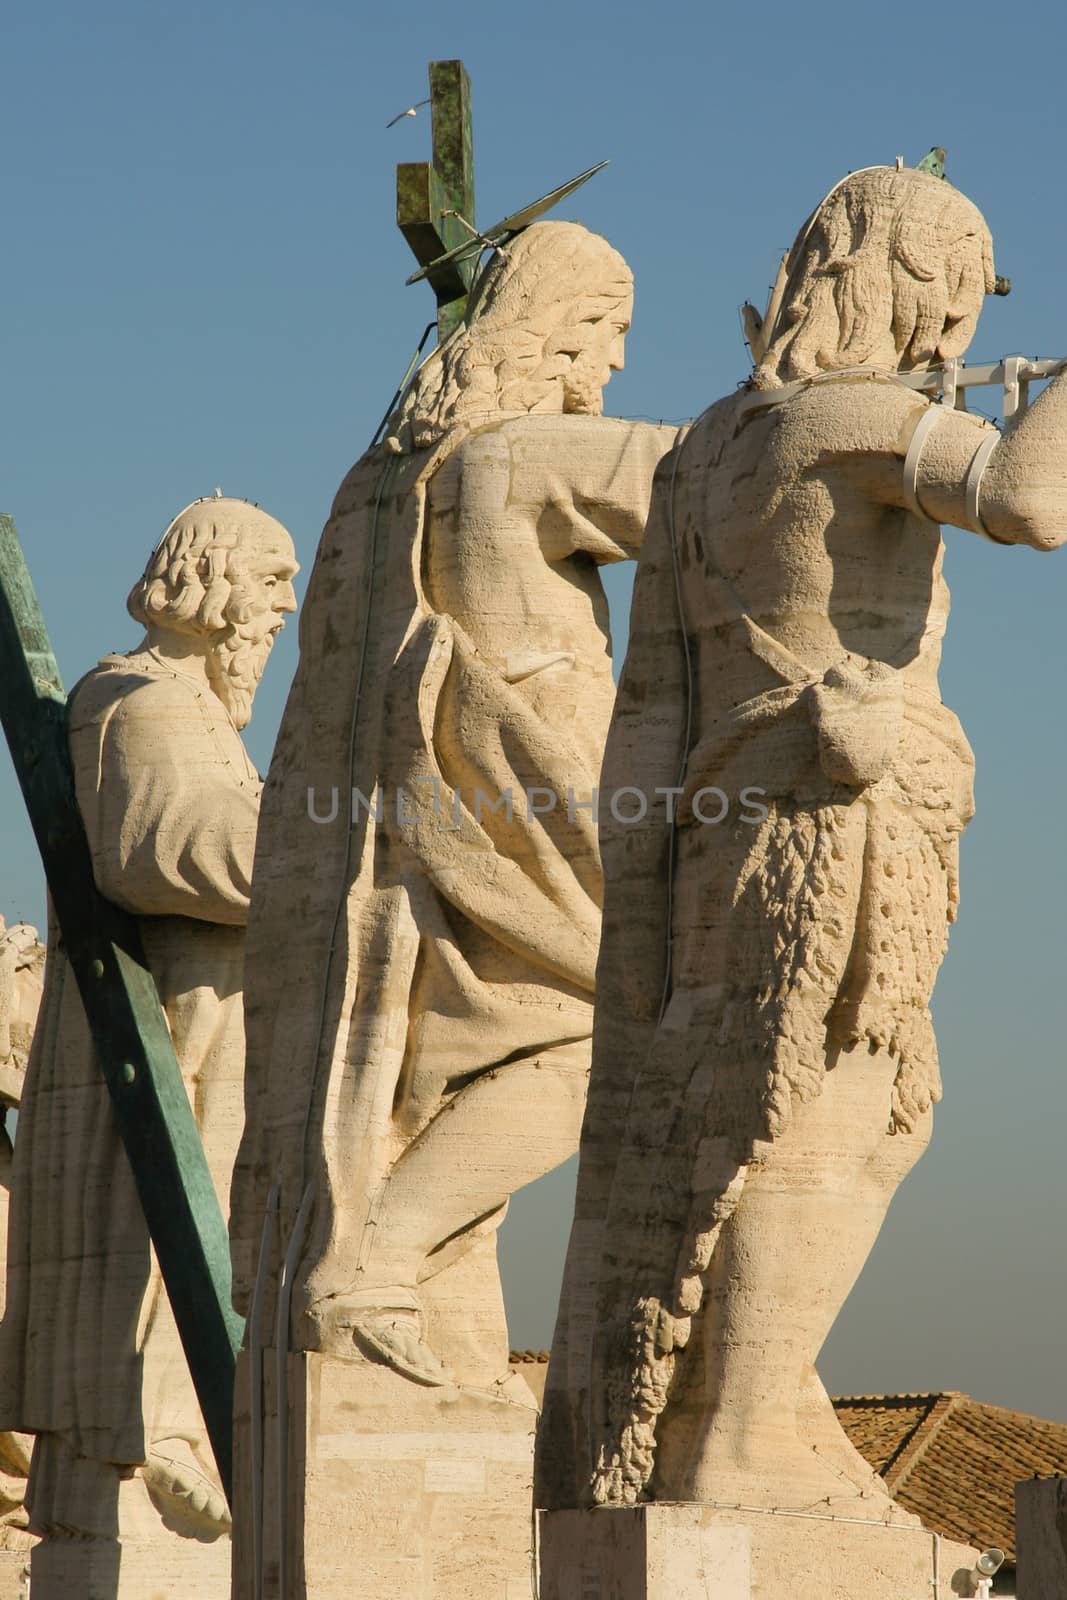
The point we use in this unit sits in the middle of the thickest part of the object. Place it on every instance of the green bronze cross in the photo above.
(429, 192)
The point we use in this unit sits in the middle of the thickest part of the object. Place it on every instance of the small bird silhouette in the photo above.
(934, 163)
(410, 112)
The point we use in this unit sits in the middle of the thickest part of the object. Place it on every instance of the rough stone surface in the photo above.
(697, 1552)
(14, 1574)
(22, 958)
(758, 1093)
(90, 1359)
(395, 1488)
(424, 1053)
(1041, 1539)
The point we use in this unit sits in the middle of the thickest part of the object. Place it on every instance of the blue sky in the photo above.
(202, 284)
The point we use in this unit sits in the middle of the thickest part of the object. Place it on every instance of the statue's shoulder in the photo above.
(551, 428)
(707, 433)
(362, 482)
(124, 688)
(853, 395)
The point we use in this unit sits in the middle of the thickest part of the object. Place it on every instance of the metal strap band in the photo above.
(929, 419)
(973, 488)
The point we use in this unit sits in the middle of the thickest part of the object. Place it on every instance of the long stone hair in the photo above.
(889, 252)
(522, 339)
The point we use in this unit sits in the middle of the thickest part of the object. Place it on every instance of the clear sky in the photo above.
(202, 284)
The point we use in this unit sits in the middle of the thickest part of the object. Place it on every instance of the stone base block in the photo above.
(392, 1488)
(101, 1569)
(695, 1552)
(146, 1561)
(1041, 1539)
(14, 1574)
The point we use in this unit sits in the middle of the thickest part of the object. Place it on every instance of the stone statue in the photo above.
(427, 859)
(438, 1061)
(90, 1359)
(22, 958)
(764, 1061)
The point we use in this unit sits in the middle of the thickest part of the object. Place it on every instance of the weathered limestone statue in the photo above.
(422, 1049)
(90, 1359)
(764, 1062)
(22, 958)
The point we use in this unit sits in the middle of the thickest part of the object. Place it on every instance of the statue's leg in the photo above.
(499, 1133)
(892, 1160)
(809, 1213)
(447, 1189)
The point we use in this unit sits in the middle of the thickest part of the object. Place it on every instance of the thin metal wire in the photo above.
(281, 1354)
(255, 1376)
(404, 385)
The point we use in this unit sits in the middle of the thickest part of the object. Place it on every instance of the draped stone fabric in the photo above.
(88, 1346)
(420, 1049)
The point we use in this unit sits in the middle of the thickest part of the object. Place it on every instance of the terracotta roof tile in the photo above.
(955, 1461)
(881, 1425)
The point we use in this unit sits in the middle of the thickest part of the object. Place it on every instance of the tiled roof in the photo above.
(880, 1425)
(951, 1460)
(955, 1461)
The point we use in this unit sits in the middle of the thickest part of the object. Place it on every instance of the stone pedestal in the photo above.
(14, 1574)
(1041, 1539)
(392, 1488)
(144, 1561)
(696, 1552)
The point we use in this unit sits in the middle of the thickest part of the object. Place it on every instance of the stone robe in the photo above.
(439, 953)
(89, 1350)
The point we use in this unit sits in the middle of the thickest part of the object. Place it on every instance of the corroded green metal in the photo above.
(426, 191)
(129, 1030)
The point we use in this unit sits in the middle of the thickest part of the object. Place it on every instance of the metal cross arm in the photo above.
(129, 1031)
(435, 200)
(431, 197)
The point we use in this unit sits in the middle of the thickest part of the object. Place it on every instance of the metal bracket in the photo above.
(1016, 387)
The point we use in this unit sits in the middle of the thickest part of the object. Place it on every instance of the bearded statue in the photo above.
(472, 927)
(90, 1360)
(426, 1054)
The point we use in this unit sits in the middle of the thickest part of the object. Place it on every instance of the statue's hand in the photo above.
(857, 711)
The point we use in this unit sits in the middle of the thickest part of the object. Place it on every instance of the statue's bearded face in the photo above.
(261, 596)
(599, 350)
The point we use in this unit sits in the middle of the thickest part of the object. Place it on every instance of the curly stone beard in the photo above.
(583, 389)
(238, 657)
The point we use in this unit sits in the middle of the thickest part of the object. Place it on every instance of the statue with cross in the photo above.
(427, 861)
(145, 806)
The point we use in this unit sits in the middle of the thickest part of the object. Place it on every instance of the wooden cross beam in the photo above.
(131, 1039)
(428, 191)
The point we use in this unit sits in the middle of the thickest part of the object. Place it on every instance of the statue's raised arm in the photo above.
(764, 1064)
